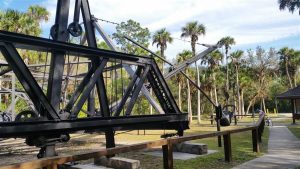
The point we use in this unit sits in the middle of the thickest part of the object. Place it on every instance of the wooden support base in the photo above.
(227, 148)
(168, 155)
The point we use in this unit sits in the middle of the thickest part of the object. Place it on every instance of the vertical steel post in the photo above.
(91, 39)
(59, 33)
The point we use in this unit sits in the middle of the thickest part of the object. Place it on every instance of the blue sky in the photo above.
(250, 22)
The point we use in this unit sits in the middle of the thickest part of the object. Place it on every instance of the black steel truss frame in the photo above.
(9, 42)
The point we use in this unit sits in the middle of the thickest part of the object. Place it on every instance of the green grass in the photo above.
(241, 149)
(295, 129)
(241, 152)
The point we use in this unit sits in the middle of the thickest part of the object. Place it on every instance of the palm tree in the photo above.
(291, 5)
(236, 60)
(198, 94)
(285, 54)
(161, 38)
(38, 12)
(227, 42)
(194, 30)
(10, 21)
(295, 62)
(213, 61)
(35, 15)
(24, 22)
(184, 55)
(20, 22)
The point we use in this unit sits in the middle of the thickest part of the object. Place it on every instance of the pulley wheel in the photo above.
(26, 115)
(75, 29)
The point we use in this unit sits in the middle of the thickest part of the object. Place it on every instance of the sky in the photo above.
(251, 23)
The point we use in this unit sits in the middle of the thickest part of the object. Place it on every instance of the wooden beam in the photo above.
(51, 161)
(227, 147)
(255, 140)
(168, 155)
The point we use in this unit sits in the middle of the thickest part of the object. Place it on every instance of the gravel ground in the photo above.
(16, 151)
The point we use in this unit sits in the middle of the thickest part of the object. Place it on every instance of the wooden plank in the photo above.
(242, 129)
(176, 140)
(194, 137)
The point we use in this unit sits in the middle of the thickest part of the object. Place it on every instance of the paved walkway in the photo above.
(283, 151)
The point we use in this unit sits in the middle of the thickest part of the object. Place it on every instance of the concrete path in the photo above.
(283, 151)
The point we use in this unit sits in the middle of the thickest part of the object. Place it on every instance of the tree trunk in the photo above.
(235, 101)
(191, 110)
(189, 101)
(227, 78)
(198, 96)
(242, 102)
(179, 96)
(252, 101)
(238, 91)
(288, 74)
(193, 44)
(295, 84)
(249, 106)
(162, 52)
(212, 106)
(215, 88)
(264, 105)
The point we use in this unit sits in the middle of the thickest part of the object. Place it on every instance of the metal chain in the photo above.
(107, 21)
(115, 23)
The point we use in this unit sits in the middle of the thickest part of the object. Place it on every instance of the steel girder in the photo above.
(44, 45)
(178, 68)
(19, 129)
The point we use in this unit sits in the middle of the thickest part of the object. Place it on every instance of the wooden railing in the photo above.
(167, 147)
(245, 115)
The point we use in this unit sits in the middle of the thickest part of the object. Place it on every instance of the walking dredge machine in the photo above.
(51, 121)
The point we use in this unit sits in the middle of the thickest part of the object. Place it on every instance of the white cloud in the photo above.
(6, 2)
(247, 21)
